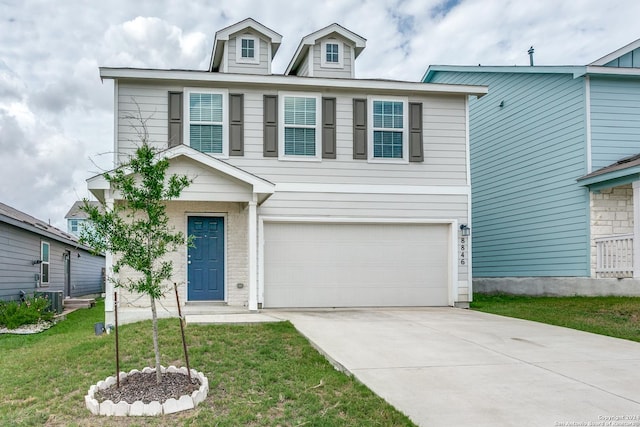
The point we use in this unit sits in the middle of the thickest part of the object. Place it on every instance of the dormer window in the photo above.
(248, 49)
(331, 54)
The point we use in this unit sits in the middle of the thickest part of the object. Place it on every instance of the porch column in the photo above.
(252, 228)
(109, 317)
(636, 229)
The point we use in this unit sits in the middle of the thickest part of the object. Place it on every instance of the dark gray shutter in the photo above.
(270, 126)
(360, 129)
(175, 119)
(416, 150)
(328, 128)
(236, 124)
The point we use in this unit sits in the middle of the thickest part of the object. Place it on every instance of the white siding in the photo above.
(207, 184)
(235, 67)
(347, 60)
(438, 180)
(444, 141)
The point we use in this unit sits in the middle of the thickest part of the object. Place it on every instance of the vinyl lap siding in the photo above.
(86, 273)
(19, 248)
(615, 119)
(235, 67)
(530, 217)
(444, 141)
(347, 62)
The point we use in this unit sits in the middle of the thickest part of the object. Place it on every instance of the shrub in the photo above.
(15, 313)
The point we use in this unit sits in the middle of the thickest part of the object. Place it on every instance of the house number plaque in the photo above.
(463, 250)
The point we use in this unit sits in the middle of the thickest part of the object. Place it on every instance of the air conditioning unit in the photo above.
(55, 300)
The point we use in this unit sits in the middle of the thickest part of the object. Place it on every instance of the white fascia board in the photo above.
(224, 33)
(359, 42)
(98, 182)
(292, 187)
(612, 71)
(617, 53)
(358, 220)
(292, 82)
(259, 185)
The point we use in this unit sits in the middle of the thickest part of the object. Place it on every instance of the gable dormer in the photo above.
(625, 57)
(329, 52)
(247, 47)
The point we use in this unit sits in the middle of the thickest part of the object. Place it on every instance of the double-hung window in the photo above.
(300, 130)
(248, 49)
(44, 265)
(388, 133)
(331, 54)
(207, 127)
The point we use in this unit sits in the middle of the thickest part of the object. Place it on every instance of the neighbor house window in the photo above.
(73, 225)
(331, 54)
(388, 137)
(44, 265)
(207, 127)
(248, 49)
(300, 126)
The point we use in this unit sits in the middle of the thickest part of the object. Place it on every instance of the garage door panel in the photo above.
(351, 265)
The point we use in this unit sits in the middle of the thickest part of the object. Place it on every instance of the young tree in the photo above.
(136, 228)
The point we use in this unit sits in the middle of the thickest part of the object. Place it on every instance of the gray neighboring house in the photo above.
(37, 257)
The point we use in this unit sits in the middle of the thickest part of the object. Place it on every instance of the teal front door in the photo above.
(205, 260)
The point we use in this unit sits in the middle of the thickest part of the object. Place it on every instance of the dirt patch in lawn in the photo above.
(143, 387)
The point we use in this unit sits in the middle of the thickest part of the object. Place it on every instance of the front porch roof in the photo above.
(260, 187)
(624, 171)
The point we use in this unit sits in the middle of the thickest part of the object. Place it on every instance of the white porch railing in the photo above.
(614, 256)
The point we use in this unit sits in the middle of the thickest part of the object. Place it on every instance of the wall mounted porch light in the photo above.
(464, 228)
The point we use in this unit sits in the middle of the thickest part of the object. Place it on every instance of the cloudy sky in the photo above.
(56, 116)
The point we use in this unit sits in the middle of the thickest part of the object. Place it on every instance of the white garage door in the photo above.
(355, 265)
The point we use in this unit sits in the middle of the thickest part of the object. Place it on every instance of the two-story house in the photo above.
(310, 188)
(77, 219)
(555, 175)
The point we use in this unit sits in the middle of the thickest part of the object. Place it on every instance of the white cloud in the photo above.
(150, 42)
(56, 114)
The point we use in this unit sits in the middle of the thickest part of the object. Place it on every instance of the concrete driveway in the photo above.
(454, 367)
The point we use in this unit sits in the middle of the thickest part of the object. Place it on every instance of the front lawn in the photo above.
(613, 316)
(259, 375)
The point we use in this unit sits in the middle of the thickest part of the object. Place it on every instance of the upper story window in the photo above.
(44, 265)
(331, 54)
(248, 49)
(300, 127)
(207, 126)
(388, 133)
(73, 226)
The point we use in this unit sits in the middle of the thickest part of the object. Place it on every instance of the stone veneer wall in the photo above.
(611, 214)
(236, 217)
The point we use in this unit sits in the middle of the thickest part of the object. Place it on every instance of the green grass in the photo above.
(613, 316)
(259, 375)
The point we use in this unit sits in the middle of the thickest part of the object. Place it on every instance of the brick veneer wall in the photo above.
(611, 214)
(236, 217)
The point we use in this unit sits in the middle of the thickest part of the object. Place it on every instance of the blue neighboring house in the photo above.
(555, 175)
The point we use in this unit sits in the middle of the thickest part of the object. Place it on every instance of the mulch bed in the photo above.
(143, 387)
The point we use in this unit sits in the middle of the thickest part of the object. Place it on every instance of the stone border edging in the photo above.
(138, 408)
